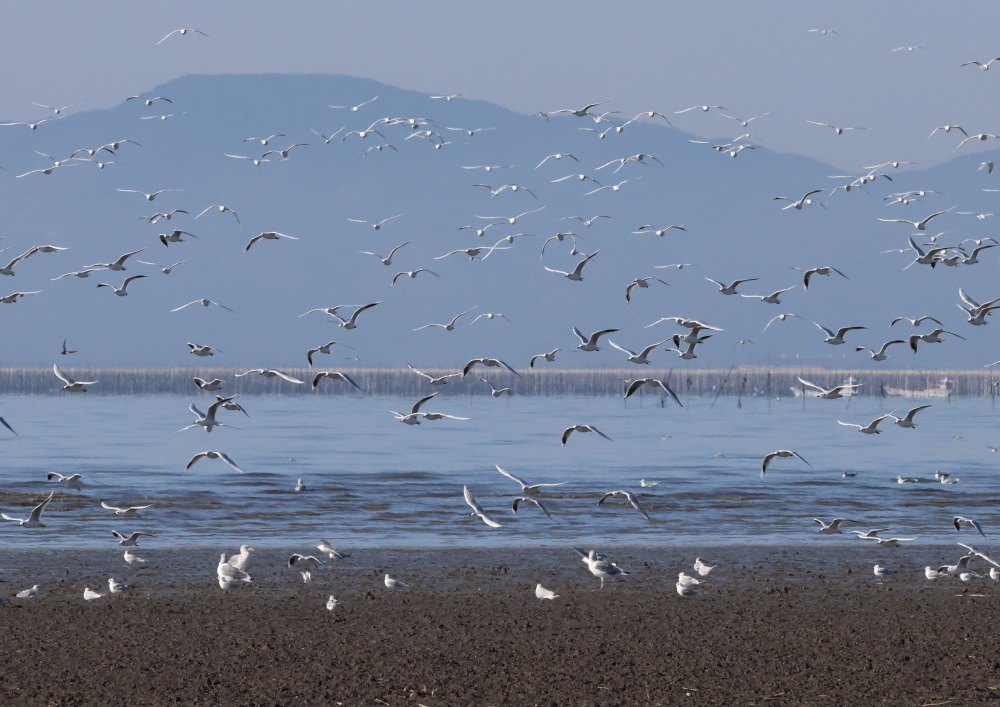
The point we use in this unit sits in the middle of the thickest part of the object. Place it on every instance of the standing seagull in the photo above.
(477, 510)
(602, 568)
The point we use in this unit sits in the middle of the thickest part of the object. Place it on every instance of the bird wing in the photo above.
(506, 473)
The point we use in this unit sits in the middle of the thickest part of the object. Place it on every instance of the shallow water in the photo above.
(374, 482)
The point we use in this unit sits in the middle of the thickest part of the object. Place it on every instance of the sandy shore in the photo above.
(773, 626)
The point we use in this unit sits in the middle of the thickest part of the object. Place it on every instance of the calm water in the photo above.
(372, 481)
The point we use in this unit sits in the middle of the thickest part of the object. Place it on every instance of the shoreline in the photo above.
(780, 626)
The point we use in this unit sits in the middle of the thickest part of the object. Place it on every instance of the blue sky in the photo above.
(528, 56)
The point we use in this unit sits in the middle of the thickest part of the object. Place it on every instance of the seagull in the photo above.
(8, 269)
(118, 264)
(891, 542)
(602, 568)
(33, 592)
(781, 453)
(870, 429)
(730, 289)
(211, 454)
(527, 499)
(332, 603)
(837, 130)
(284, 153)
(511, 220)
(32, 126)
(832, 393)
(377, 226)
(549, 357)
(165, 270)
(489, 315)
(797, 204)
(72, 482)
(355, 109)
(412, 274)
(14, 296)
(934, 337)
(305, 561)
(242, 559)
(824, 270)
(637, 358)
(323, 349)
(90, 595)
(648, 228)
(391, 583)
(641, 283)
(128, 512)
(959, 521)
(299, 487)
(181, 32)
(833, 527)
(543, 593)
(919, 225)
(325, 547)
(435, 380)
(916, 322)
(526, 488)
(685, 590)
(270, 373)
(268, 235)
(880, 354)
(387, 260)
(233, 575)
(450, 326)
(703, 568)
(34, 519)
(351, 323)
(703, 109)
(71, 385)
(201, 350)
(148, 196)
(203, 303)
(489, 362)
(333, 375)
(582, 428)
(771, 298)
(883, 572)
(207, 420)
(652, 383)
(627, 495)
(174, 237)
(496, 392)
(838, 337)
(907, 420)
(477, 510)
(79, 273)
(132, 540)
(648, 484)
(581, 112)
(116, 587)
(414, 416)
(221, 208)
(123, 290)
(590, 343)
(982, 65)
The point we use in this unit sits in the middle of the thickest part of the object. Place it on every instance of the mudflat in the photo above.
(772, 626)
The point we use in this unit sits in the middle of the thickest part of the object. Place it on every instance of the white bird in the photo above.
(518, 500)
(628, 496)
(116, 587)
(415, 416)
(147, 196)
(450, 326)
(268, 235)
(412, 274)
(578, 112)
(489, 362)
(907, 420)
(582, 428)
(14, 296)
(125, 511)
(166, 270)
(687, 580)
(824, 270)
(780, 454)
(602, 568)
(323, 349)
(832, 393)
(576, 274)
(771, 298)
(435, 380)
(305, 561)
(703, 568)
(648, 484)
(496, 392)
(543, 593)
(870, 429)
(880, 354)
(33, 592)
(642, 283)
(640, 357)
(207, 420)
(333, 375)
(883, 572)
(269, 373)
(359, 106)
(325, 547)
(892, 542)
(931, 573)
(174, 236)
(590, 343)
(299, 487)
(959, 521)
(549, 357)
(833, 527)
(123, 290)
(351, 322)
(730, 289)
(203, 303)
(386, 260)
(119, 263)
(490, 316)
(131, 558)
(182, 31)
(212, 454)
(201, 349)
(836, 129)
(837, 337)
(234, 575)
(133, 539)
(90, 595)
(919, 225)
(67, 482)
(34, 519)
(652, 383)
(686, 591)
(477, 510)
(525, 486)
(332, 603)
(797, 204)
(391, 583)
(377, 225)
(220, 208)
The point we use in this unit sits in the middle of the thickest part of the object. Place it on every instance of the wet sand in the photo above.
(773, 626)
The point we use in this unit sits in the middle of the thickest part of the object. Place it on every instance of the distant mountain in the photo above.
(734, 229)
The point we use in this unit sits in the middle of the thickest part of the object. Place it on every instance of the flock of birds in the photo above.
(686, 341)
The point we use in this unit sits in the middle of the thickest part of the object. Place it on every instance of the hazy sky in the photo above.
(532, 56)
